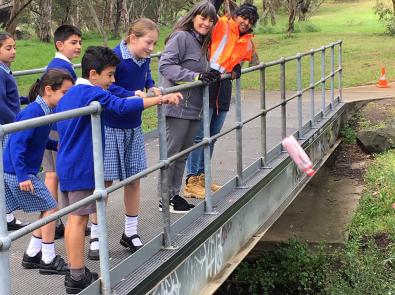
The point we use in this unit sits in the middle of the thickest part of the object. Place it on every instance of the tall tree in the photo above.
(17, 8)
(102, 30)
(292, 10)
(44, 29)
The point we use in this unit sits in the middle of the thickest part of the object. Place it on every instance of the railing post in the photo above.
(299, 86)
(239, 136)
(312, 89)
(323, 107)
(263, 117)
(206, 151)
(283, 100)
(164, 178)
(332, 76)
(5, 276)
(101, 203)
(340, 72)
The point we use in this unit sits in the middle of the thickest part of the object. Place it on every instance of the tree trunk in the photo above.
(44, 26)
(393, 6)
(268, 8)
(291, 16)
(97, 23)
(117, 19)
(17, 8)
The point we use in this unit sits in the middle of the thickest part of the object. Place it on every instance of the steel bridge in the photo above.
(186, 254)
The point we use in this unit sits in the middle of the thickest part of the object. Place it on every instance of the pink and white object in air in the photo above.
(298, 155)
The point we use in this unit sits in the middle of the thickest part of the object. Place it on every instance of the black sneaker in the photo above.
(56, 267)
(75, 287)
(59, 230)
(178, 205)
(31, 262)
(127, 242)
(14, 225)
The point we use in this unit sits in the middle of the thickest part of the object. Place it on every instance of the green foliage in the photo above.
(348, 134)
(357, 270)
(291, 269)
(386, 16)
(375, 212)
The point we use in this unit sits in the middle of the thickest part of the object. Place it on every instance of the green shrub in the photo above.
(348, 134)
(291, 269)
(386, 16)
(360, 271)
(309, 27)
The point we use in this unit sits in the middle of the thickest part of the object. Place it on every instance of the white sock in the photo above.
(131, 223)
(34, 246)
(94, 234)
(10, 217)
(48, 250)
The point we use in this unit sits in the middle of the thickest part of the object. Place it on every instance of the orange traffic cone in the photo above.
(382, 83)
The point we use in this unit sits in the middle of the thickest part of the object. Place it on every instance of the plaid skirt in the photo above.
(124, 153)
(4, 141)
(39, 201)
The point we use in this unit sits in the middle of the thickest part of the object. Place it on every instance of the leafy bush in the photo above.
(348, 134)
(291, 269)
(386, 16)
(309, 27)
(360, 271)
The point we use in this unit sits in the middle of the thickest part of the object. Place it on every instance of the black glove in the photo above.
(210, 76)
(236, 72)
(216, 75)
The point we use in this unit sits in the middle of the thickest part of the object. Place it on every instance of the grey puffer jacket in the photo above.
(181, 61)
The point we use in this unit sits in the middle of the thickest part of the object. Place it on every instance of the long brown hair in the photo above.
(203, 8)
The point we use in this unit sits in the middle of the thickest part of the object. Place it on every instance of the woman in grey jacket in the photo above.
(184, 59)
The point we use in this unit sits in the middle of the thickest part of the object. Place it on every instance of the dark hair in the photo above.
(53, 78)
(248, 11)
(203, 8)
(64, 32)
(98, 58)
(4, 36)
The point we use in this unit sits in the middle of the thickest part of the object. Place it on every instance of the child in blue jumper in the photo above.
(22, 161)
(75, 156)
(132, 77)
(9, 100)
(67, 39)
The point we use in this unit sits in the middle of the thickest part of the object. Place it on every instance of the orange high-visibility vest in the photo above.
(227, 47)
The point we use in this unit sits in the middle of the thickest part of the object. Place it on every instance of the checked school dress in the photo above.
(41, 200)
(124, 152)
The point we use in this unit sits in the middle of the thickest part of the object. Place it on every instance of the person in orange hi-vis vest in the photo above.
(231, 45)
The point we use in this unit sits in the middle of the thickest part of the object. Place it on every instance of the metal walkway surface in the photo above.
(223, 170)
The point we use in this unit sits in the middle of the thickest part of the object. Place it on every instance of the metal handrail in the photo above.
(42, 70)
(101, 193)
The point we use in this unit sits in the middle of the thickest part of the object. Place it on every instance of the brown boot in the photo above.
(214, 186)
(193, 189)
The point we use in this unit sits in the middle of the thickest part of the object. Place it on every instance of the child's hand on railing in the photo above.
(27, 186)
(172, 98)
(140, 93)
(155, 90)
